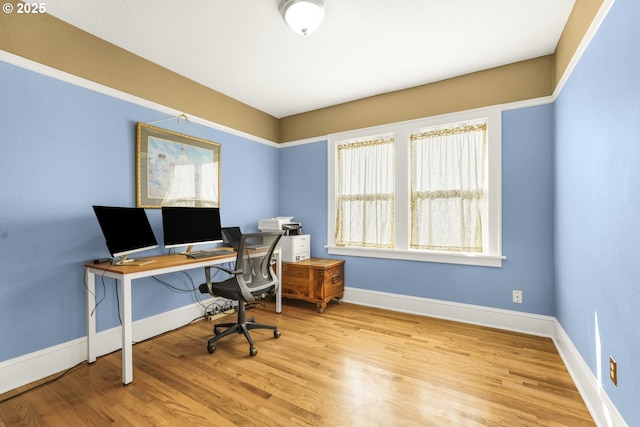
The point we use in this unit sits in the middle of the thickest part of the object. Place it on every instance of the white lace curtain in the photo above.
(448, 188)
(365, 215)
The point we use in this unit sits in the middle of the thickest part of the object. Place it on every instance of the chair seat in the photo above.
(229, 289)
(226, 289)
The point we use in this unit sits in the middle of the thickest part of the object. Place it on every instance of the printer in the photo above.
(294, 245)
(281, 223)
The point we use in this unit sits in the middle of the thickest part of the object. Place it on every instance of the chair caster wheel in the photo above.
(253, 351)
(217, 331)
(211, 348)
(276, 334)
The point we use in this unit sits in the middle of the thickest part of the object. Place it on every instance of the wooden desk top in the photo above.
(158, 262)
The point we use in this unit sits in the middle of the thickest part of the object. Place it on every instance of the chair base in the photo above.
(242, 326)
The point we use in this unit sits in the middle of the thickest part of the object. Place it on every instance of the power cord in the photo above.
(95, 298)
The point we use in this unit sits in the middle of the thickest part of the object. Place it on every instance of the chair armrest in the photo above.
(226, 270)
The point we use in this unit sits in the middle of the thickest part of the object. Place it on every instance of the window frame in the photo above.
(492, 257)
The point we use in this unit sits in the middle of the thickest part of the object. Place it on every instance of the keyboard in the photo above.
(209, 254)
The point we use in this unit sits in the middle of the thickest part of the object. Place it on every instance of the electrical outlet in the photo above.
(517, 297)
(613, 370)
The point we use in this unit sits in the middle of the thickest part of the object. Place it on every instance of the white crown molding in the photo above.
(312, 140)
(516, 105)
(503, 107)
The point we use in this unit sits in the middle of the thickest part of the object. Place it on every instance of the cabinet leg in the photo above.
(321, 306)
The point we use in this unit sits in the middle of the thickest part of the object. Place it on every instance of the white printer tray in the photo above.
(295, 248)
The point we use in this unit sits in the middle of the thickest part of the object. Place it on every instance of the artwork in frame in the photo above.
(173, 169)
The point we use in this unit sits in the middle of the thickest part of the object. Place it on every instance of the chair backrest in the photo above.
(255, 259)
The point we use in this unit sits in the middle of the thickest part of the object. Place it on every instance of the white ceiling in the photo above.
(243, 48)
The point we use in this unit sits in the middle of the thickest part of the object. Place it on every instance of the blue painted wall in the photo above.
(598, 205)
(527, 209)
(63, 149)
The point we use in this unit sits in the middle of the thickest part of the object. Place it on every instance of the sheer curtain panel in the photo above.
(448, 205)
(365, 193)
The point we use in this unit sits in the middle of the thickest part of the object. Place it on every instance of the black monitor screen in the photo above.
(126, 230)
(187, 226)
(231, 234)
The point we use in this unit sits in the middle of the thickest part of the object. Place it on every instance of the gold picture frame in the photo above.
(173, 169)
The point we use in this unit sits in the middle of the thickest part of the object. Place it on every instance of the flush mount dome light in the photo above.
(303, 16)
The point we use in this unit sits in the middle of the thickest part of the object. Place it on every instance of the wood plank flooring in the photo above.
(349, 366)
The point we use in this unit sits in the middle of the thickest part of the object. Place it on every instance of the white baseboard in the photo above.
(34, 366)
(31, 367)
(602, 410)
(532, 324)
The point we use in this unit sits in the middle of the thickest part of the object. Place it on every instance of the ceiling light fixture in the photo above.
(303, 16)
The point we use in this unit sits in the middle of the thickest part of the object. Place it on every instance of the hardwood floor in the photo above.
(349, 366)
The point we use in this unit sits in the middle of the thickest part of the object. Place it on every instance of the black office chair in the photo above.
(253, 279)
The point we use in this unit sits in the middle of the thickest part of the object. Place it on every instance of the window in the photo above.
(365, 211)
(426, 190)
(448, 188)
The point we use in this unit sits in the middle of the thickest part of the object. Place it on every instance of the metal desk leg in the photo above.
(279, 291)
(127, 336)
(90, 280)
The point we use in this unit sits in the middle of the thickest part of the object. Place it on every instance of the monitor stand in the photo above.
(132, 262)
(188, 251)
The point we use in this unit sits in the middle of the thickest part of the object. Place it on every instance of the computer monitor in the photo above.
(126, 231)
(190, 226)
(231, 236)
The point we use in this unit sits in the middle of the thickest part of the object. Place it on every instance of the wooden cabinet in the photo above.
(315, 280)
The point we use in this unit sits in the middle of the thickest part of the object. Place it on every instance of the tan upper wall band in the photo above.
(515, 82)
(52, 42)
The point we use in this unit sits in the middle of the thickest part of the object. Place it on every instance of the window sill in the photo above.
(483, 260)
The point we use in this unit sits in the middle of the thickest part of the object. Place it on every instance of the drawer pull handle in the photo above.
(335, 278)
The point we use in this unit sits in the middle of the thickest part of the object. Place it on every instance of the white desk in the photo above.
(162, 264)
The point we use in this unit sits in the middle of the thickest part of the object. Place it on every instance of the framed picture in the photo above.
(173, 169)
